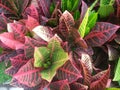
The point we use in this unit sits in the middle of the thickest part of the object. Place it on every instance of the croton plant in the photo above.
(60, 44)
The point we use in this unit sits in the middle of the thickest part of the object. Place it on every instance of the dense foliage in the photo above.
(60, 44)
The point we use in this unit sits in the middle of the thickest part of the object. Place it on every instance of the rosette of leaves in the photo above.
(50, 58)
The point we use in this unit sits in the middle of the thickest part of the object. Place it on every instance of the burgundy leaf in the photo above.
(101, 33)
(99, 81)
(83, 10)
(18, 30)
(3, 22)
(6, 10)
(30, 43)
(65, 23)
(77, 38)
(22, 4)
(9, 40)
(28, 75)
(41, 86)
(18, 60)
(78, 86)
(113, 53)
(8, 55)
(31, 11)
(31, 23)
(44, 7)
(87, 60)
(12, 70)
(60, 85)
(86, 74)
(68, 72)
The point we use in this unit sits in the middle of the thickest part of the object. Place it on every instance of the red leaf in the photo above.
(78, 86)
(83, 10)
(41, 86)
(22, 4)
(60, 85)
(31, 11)
(18, 30)
(87, 61)
(3, 22)
(30, 43)
(65, 23)
(31, 23)
(86, 74)
(6, 10)
(99, 81)
(101, 33)
(9, 40)
(18, 60)
(8, 55)
(28, 75)
(44, 7)
(12, 70)
(68, 72)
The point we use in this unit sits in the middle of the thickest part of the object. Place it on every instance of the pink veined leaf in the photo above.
(43, 32)
(31, 23)
(77, 38)
(28, 75)
(9, 40)
(99, 81)
(3, 22)
(11, 70)
(113, 53)
(44, 7)
(86, 74)
(5, 57)
(18, 30)
(83, 10)
(78, 86)
(68, 72)
(101, 33)
(60, 85)
(6, 10)
(30, 44)
(31, 11)
(22, 4)
(40, 86)
(65, 23)
(87, 60)
(18, 60)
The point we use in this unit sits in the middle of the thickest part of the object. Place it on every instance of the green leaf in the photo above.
(91, 22)
(75, 5)
(64, 5)
(107, 2)
(52, 7)
(77, 15)
(69, 5)
(59, 58)
(112, 89)
(52, 55)
(117, 72)
(40, 55)
(1, 49)
(82, 28)
(4, 77)
(105, 10)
